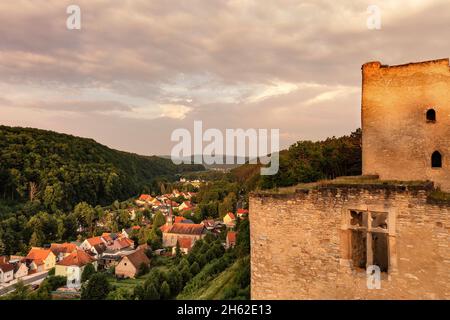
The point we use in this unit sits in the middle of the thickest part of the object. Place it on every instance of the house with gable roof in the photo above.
(40, 259)
(72, 267)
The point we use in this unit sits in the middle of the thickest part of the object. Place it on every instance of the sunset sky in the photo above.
(138, 69)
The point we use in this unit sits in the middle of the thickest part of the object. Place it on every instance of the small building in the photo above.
(90, 242)
(130, 264)
(97, 250)
(171, 233)
(72, 267)
(6, 272)
(109, 238)
(128, 233)
(231, 239)
(40, 259)
(185, 245)
(229, 219)
(109, 260)
(20, 270)
(186, 205)
(242, 213)
(144, 199)
(121, 244)
(61, 250)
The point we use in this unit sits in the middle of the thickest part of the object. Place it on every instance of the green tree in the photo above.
(143, 269)
(164, 291)
(88, 271)
(175, 281)
(186, 274)
(97, 288)
(86, 215)
(158, 220)
(243, 239)
(195, 268)
(147, 291)
(178, 254)
(21, 291)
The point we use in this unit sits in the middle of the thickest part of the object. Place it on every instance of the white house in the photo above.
(91, 242)
(72, 267)
(6, 272)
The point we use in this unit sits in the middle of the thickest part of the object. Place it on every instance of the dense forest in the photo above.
(61, 170)
(307, 161)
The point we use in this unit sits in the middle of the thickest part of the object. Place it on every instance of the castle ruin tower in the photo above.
(405, 119)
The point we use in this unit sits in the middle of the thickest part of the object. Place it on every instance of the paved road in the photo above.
(36, 278)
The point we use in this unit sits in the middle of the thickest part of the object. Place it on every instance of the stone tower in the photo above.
(406, 121)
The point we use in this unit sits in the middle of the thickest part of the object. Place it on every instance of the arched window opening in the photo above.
(431, 115)
(436, 160)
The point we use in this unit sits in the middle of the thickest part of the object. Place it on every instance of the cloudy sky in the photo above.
(138, 69)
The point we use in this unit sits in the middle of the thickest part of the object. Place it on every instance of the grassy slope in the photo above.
(214, 289)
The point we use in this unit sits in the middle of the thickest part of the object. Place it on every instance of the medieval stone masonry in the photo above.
(323, 240)
(405, 120)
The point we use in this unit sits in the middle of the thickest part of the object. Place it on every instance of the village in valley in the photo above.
(161, 230)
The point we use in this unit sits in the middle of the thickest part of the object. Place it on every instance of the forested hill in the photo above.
(307, 161)
(61, 170)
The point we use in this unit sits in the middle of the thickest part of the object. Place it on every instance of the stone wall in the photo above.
(299, 244)
(397, 140)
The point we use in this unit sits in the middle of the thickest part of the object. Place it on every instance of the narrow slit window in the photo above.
(436, 160)
(431, 115)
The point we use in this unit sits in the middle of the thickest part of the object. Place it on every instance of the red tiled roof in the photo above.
(38, 254)
(171, 203)
(186, 228)
(179, 219)
(77, 258)
(185, 242)
(95, 240)
(121, 243)
(58, 248)
(165, 227)
(231, 215)
(145, 197)
(106, 237)
(137, 258)
(6, 267)
(38, 262)
(242, 211)
(136, 227)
